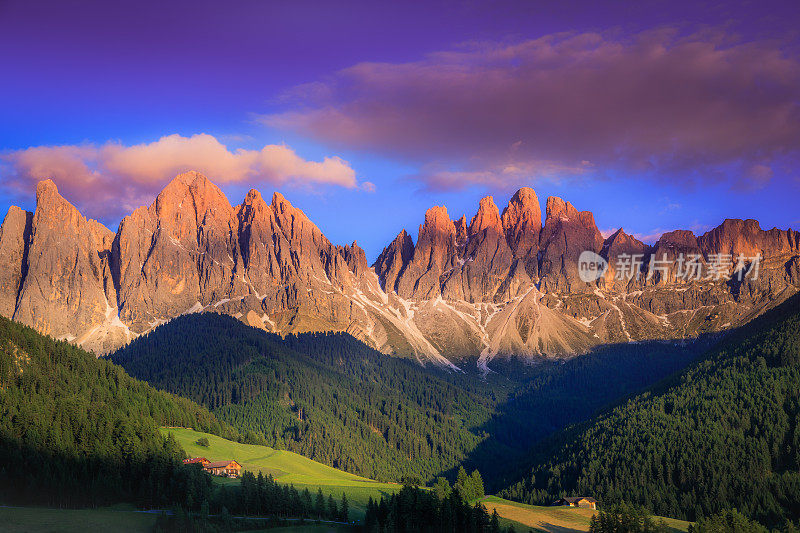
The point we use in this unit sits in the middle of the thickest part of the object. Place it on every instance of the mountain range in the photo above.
(503, 284)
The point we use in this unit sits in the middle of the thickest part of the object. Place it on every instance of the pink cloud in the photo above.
(658, 103)
(112, 179)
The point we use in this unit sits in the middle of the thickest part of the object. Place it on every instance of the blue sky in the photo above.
(653, 115)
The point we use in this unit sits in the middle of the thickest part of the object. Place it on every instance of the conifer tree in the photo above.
(344, 513)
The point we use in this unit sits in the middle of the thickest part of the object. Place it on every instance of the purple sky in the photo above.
(653, 115)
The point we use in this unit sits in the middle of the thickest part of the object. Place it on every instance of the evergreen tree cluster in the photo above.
(723, 434)
(417, 510)
(730, 521)
(626, 519)
(469, 486)
(78, 431)
(263, 496)
(256, 497)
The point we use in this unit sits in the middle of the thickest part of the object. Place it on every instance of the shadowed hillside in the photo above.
(75, 430)
(723, 434)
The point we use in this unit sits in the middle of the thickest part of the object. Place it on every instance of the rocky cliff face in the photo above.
(502, 284)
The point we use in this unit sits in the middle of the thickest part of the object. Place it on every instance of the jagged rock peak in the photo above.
(47, 196)
(54, 210)
(558, 208)
(252, 207)
(437, 221)
(190, 190)
(279, 200)
(619, 241)
(393, 259)
(46, 188)
(620, 236)
(680, 237)
(355, 258)
(735, 236)
(523, 211)
(461, 230)
(487, 217)
(253, 196)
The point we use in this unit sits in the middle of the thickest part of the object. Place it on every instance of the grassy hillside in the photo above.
(286, 467)
(555, 519)
(723, 434)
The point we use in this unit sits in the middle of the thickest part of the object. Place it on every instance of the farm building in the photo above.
(196, 461)
(584, 502)
(223, 468)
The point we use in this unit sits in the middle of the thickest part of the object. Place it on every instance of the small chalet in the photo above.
(584, 502)
(223, 468)
(202, 461)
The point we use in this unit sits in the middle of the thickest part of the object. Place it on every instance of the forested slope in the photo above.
(75, 430)
(723, 434)
(326, 396)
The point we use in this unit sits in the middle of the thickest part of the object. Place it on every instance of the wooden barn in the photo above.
(584, 502)
(223, 468)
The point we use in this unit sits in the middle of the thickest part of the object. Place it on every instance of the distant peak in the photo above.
(190, 190)
(190, 179)
(279, 200)
(557, 208)
(253, 196)
(46, 187)
(488, 216)
(525, 194)
(523, 212)
(436, 212)
(617, 234)
(437, 221)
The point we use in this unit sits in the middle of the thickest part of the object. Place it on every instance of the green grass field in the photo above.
(117, 518)
(554, 519)
(286, 467)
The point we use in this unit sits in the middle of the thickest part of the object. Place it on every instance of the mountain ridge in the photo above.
(504, 284)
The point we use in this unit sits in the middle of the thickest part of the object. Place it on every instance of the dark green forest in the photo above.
(413, 509)
(550, 396)
(334, 399)
(326, 396)
(77, 431)
(721, 435)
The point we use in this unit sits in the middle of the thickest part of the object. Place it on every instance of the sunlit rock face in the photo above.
(500, 283)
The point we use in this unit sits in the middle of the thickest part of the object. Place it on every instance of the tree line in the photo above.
(416, 510)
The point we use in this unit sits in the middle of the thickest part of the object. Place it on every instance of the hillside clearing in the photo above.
(286, 467)
(554, 519)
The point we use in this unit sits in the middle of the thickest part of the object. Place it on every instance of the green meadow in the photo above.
(116, 518)
(286, 467)
(555, 519)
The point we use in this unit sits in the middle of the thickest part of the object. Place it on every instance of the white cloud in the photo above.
(110, 179)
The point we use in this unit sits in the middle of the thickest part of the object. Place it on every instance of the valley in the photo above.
(323, 422)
